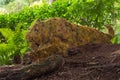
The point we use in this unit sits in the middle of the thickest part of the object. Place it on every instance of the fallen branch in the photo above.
(34, 70)
(105, 66)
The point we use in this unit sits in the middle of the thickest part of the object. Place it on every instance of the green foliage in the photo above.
(116, 39)
(29, 14)
(4, 2)
(15, 44)
(16, 6)
(5, 53)
(94, 13)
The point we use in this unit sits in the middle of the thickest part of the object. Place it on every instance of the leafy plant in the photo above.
(15, 44)
(4, 2)
(116, 39)
(95, 13)
(16, 5)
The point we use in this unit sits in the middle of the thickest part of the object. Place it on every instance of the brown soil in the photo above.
(89, 62)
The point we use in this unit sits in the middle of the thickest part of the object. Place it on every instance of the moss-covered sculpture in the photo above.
(56, 35)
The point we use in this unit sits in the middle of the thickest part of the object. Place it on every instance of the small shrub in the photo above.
(15, 44)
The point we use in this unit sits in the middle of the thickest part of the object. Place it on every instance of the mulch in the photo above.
(89, 62)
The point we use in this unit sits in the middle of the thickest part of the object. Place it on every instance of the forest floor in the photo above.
(89, 62)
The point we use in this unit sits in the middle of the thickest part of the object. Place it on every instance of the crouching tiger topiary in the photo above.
(56, 35)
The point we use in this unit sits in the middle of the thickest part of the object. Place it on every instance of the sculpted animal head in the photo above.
(52, 30)
(36, 34)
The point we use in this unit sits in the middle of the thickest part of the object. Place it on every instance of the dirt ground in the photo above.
(89, 62)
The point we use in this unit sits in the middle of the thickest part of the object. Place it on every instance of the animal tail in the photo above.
(111, 31)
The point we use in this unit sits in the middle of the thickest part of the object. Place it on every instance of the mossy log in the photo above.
(28, 72)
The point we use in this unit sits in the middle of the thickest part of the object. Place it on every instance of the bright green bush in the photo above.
(116, 39)
(29, 14)
(94, 13)
(15, 44)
